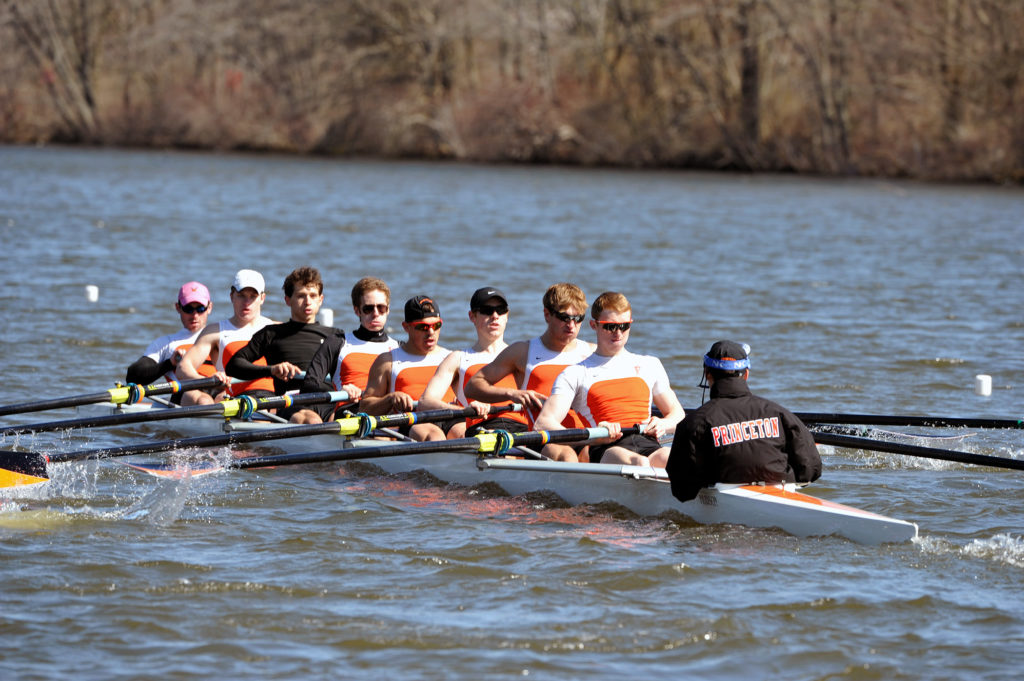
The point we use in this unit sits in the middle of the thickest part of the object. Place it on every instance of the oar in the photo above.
(914, 450)
(242, 407)
(497, 443)
(867, 431)
(31, 466)
(122, 394)
(893, 420)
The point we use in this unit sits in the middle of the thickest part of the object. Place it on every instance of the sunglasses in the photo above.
(424, 327)
(380, 308)
(488, 310)
(578, 318)
(194, 309)
(615, 326)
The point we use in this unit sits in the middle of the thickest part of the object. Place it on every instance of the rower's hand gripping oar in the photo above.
(240, 407)
(121, 394)
(21, 468)
(914, 450)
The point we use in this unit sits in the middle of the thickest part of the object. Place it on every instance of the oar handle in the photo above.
(432, 416)
(915, 450)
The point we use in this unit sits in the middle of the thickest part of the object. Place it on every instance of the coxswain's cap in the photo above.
(482, 295)
(248, 279)
(193, 292)
(728, 356)
(421, 307)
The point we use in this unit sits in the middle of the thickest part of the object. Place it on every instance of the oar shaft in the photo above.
(480, 443)
(895, 420)
(228, 408)
(232, 438)
(914, 450)
(117, 395)
(343, 427)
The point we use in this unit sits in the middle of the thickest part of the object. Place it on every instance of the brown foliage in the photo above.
(924, 88)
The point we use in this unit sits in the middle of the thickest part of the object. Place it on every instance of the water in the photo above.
(856, 295)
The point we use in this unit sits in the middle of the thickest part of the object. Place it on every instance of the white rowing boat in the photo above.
(645, 491)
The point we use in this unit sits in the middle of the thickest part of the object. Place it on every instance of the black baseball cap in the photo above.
(728, 356)
(482, 295)
(421, 307)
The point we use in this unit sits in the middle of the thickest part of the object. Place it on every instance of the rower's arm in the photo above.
(242, 364)
(554, 410)
(376, 399)
(205, 346)
(445, 377)
(671, 411)
(482, 386)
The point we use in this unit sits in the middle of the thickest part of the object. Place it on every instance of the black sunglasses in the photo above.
(615, 326)
(488, 310)
(578, 318)
(194, 309)
(380, 308)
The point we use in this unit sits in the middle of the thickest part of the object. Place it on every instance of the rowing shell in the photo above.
(643, 490)
(647, 492)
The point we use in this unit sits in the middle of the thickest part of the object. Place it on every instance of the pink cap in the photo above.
(193, 292)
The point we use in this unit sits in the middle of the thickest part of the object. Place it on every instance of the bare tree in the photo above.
(65, 40)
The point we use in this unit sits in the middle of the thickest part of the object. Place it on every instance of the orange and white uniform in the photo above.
(618, 389)
(231, 339)
(354, 361)
(163, 348)
(411, 373)
(471, 362)
(542, 368)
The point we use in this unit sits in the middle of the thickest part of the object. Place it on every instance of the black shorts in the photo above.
(445, 426)
(497, 423)
(641, 444)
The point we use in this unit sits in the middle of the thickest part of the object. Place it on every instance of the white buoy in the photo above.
(92, 293)
(326, 316)
(983, 385)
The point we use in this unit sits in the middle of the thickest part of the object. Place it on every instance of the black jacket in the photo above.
(738, 437)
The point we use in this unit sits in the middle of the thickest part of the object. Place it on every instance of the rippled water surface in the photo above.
(856, 295)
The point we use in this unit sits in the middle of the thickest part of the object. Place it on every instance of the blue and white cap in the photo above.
(728, 356)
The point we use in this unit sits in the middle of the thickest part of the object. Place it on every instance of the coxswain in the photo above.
(738, 437)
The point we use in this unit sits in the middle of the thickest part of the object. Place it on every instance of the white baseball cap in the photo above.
(248, 279)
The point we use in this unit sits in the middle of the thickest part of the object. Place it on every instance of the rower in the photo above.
(222, 340)
(614, 388)
(534, 364)
(738, 437)
(344, 363)
(163, 355)
(286, 349)
(398, 377)
(488, 312)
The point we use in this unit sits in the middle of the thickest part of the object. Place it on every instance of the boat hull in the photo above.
(645, 491)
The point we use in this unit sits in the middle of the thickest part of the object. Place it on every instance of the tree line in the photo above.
(915, 88)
